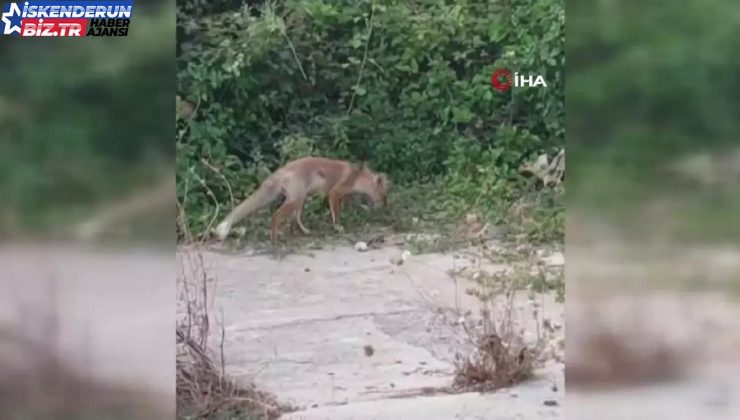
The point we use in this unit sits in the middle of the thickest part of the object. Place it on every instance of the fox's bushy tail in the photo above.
(268, 192)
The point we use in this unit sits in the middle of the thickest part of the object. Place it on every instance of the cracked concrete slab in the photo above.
(343, 334)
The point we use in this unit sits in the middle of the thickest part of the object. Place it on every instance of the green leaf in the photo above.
(461, 115)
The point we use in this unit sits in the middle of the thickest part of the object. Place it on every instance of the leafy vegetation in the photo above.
(648, 85)
(82, 122)
(403, 85)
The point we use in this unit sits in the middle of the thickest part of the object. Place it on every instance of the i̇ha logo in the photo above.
(502, 80)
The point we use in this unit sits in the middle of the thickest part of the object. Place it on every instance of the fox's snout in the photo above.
(380, 201)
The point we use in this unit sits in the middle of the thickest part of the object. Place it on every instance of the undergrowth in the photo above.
(403, 86)
(507, 345)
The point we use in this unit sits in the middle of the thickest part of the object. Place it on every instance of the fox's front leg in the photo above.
(335, 200)
(298, 220)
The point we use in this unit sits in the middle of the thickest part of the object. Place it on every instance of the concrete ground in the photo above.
(343, 334)
(675, 296)
(106, 314)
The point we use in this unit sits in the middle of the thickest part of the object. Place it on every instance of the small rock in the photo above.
(550, 403)
(556, 259)
(306, 269)
(554, 388)
(397, 260)
(471, 218)
(314, 405)
(551, 277)
(393, 385)
(422, 237)
(369, 350)
(361, 246)
(514, 395)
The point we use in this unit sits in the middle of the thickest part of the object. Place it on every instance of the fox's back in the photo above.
(316, 173)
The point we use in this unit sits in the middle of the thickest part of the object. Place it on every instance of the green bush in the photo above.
(78, 132)
(653, 85)
(403, 85)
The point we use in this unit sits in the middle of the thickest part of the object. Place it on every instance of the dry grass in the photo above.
(503, 354)
(495, 364)
(613, 363)
(49, 389)
(203, 389)
(36, 382)
(624, 355)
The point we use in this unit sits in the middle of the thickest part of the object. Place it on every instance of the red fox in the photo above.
(299, 179)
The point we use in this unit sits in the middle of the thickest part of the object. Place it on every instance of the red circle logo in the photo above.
(497, 83)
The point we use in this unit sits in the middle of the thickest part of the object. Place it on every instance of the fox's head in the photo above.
(374, 185)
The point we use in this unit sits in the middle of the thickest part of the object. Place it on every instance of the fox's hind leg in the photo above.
(295, 196)
(285, 210)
